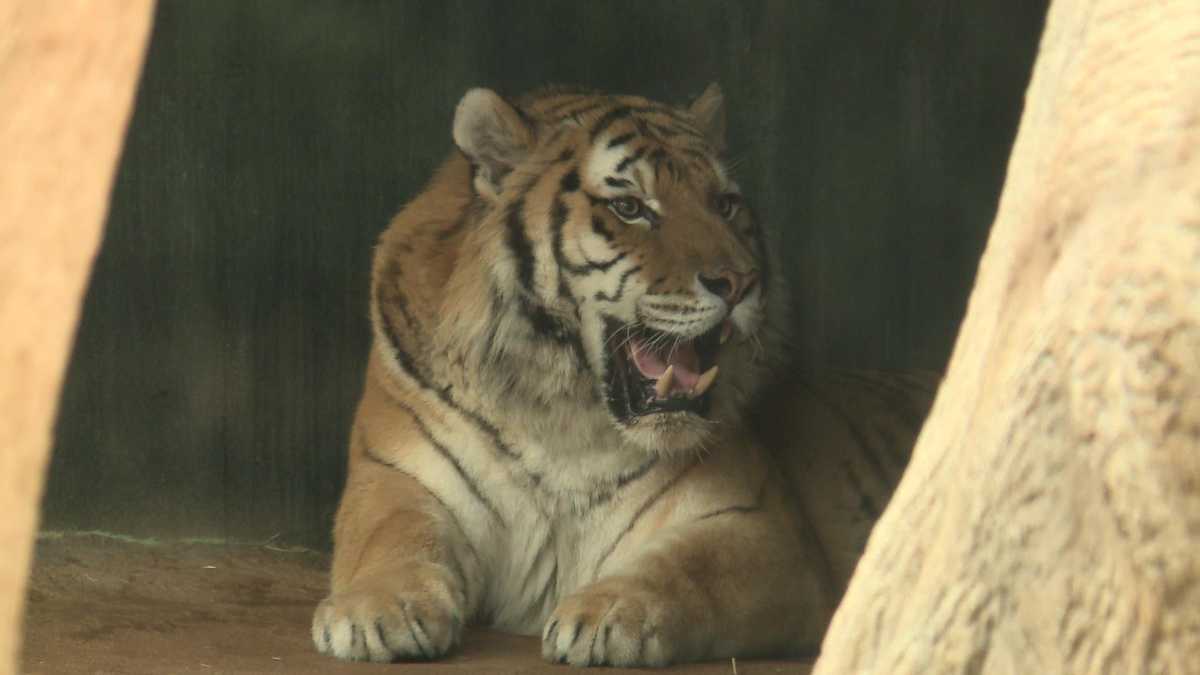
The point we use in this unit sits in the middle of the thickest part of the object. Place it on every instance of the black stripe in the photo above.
(638, 515)
(570, 181)
(391, 277)
(567, 155)
(624, 163)
(623, 481)
(663, 131)
(678, 173)
(637, 473)
(608, 119)
(643, 126)
(673, 130)
(583, 110)
(621, 140)
(558, 221)
(545, 325)
(657, 157)
(519, 244)
(450, 457)
(462, 575)
(599, 228)
(602, 265)
(542, 322)
(617, 182)
(748, 508)
(564, 293)
(869, 452)
(902, 397)
(568, 101)
(530, 123)
(400, 302)
(404, 360)
(601, 295)
(560, 333)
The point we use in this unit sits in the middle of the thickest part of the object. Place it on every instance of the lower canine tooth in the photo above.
(663, 386)
(705, 382)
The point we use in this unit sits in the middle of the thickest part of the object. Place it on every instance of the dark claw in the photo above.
(381, 635)
(575, 633)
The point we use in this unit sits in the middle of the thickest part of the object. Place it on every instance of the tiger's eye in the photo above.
(727, 205)
(628, 208)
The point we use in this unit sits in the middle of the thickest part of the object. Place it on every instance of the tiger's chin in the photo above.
(661, 385)
(669, 433)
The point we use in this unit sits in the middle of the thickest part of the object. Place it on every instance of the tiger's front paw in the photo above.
(416, 615)
(615, 623)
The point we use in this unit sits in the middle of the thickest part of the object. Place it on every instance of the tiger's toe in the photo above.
(383, 625)
(609, 626)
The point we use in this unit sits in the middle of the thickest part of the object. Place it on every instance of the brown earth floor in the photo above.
(101, 605)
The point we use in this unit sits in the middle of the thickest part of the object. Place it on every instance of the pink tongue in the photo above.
(652, 364)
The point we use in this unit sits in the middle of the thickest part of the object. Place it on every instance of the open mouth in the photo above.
(657, 372)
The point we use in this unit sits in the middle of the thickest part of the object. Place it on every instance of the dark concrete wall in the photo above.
(224, 333)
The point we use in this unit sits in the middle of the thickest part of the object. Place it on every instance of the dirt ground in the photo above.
(103, 605)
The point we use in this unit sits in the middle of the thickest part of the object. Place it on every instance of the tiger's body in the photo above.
(570, 324)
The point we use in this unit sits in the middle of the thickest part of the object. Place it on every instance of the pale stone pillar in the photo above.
(68, 70)
(1049, 522)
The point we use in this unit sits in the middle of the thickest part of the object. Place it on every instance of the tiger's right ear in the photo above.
(709, 112)
(493, 135)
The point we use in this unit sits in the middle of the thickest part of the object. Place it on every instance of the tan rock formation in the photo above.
(68, 69)
(1050, 520)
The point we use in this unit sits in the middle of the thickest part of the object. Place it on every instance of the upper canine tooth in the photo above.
(663, 386)
(726, 331)
(705, 382)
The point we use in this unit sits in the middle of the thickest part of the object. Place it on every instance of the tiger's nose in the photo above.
(729, 285)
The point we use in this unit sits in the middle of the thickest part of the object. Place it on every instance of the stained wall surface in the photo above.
(224, 333)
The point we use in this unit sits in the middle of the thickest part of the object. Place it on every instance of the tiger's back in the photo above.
(843, 438)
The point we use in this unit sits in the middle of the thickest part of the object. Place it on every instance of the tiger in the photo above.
(562, 431)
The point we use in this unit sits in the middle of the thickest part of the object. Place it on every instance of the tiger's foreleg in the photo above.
(400, 586)
(738, 583)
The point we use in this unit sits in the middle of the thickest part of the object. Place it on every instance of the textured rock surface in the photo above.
(1050, 519)
(67, 75)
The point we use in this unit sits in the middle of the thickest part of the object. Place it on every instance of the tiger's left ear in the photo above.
(709, 113)
(493, 135)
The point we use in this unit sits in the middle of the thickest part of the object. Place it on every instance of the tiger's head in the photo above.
(625, 270)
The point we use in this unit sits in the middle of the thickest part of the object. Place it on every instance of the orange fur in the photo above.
(504, 466)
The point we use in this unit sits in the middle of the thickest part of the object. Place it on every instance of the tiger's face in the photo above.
(627, 243)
